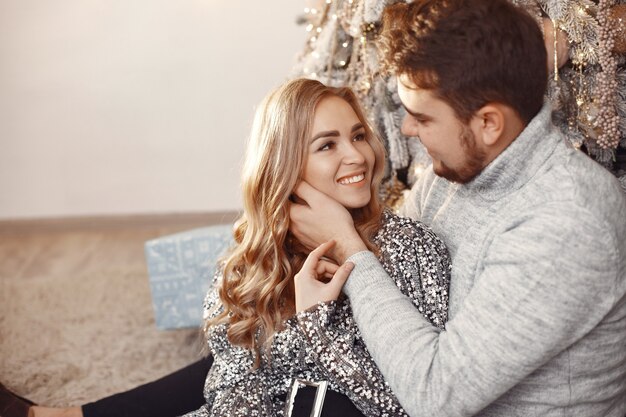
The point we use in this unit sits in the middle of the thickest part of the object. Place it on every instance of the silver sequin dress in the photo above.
(324, 343)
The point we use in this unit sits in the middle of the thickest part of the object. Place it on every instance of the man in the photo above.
(536, 231)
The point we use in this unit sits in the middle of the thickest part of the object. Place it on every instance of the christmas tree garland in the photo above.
(587, 46)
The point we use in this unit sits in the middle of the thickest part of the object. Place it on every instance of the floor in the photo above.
(66, 246)
(76, 321)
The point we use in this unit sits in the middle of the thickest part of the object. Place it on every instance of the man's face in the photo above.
(450, 143)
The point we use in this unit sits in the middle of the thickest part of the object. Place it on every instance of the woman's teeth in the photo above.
(352, 180)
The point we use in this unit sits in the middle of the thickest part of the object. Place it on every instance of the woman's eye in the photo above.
(326, 146)
(359, 137)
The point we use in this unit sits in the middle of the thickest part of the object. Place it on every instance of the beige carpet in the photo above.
(72, 339)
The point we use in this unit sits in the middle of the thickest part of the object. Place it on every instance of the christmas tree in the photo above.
(586, 44)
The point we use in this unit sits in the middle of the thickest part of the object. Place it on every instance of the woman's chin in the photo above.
(354, 204)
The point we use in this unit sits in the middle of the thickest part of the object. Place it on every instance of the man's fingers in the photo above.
(304, 191)
(311, 196)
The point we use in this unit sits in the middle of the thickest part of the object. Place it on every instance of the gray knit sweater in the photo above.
(537, 298)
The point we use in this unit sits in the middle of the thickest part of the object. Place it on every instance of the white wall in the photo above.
(133, 106)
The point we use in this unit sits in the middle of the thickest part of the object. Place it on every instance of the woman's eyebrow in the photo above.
(327, 133)
(334, 133)
(357, 127)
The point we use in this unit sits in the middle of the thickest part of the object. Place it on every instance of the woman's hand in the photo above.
(312, 284)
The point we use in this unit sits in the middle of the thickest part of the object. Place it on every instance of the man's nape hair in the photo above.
(468, 53)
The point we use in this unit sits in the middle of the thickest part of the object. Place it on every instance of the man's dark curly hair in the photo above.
(468, 52)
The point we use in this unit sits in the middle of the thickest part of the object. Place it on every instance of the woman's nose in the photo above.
(353, 155)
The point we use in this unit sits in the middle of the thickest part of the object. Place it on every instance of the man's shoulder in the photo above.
(579, 183)
(571, 194)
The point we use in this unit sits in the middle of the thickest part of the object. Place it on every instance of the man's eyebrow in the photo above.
(414, 114)
(333, 133)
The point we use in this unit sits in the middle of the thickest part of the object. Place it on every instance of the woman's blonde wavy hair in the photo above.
(257, 290)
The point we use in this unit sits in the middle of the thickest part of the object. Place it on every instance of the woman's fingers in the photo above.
(311, 262)
(339, 278)
(310, 285)
(326, 269)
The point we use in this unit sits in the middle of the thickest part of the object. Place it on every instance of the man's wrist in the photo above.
(347, 248)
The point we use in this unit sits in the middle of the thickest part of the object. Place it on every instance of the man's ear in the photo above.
(489, 123)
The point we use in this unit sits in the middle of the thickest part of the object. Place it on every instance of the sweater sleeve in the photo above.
(530, 300)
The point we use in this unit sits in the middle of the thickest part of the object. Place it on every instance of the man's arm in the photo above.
(323, 219)
(541, 289)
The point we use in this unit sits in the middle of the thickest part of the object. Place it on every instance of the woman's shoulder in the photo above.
(406, 238)
(401, 227)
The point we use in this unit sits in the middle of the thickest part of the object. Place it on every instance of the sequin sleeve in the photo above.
(211, 308)
(211, 305)
(334, 341)
(201, 412)
(418, 262)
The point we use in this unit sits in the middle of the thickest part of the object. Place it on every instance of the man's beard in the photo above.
(474, 160)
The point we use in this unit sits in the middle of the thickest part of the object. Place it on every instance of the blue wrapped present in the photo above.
(180, 268)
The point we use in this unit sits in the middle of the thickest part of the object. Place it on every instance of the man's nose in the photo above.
(409, 127)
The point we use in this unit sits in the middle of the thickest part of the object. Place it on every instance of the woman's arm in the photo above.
(332, 336)
(418, 263)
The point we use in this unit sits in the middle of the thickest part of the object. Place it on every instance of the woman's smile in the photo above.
(352, 179)
(340, 160)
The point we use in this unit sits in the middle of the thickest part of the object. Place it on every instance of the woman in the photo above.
(307, 131)
(259, 345)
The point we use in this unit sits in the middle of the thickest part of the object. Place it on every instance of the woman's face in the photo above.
(340, 160)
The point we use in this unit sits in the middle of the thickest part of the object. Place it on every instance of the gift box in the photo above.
(180, 268)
